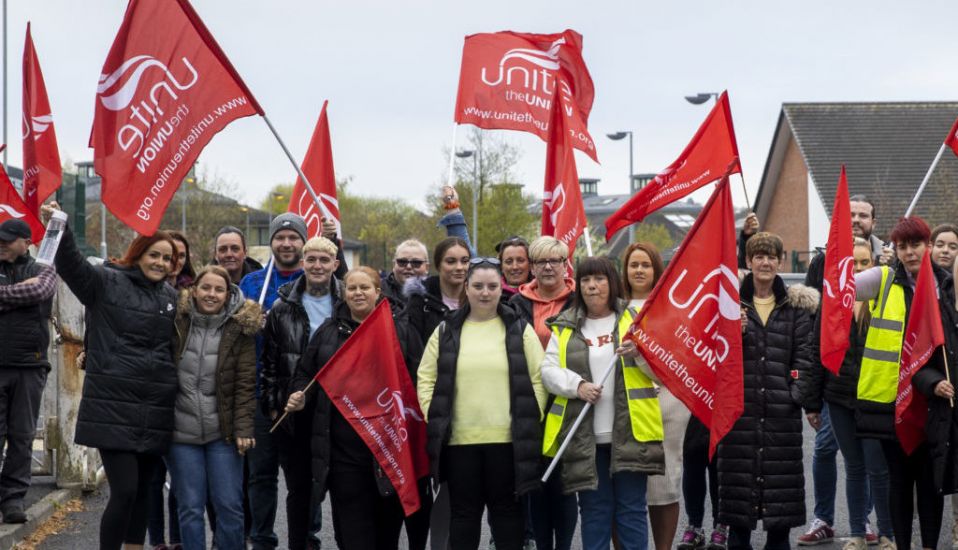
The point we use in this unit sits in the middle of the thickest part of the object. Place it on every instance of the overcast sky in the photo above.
(390, 71)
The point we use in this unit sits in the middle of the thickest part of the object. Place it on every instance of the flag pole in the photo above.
(924, 182)
(452, 155)
(588, 240)
(286, 413)
(748, 203)
(944, 355)
(578, 421)
(269, 274)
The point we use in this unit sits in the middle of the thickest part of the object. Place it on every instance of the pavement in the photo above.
(82, 527)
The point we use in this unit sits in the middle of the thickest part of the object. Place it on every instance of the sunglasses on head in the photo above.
(480, 260)
(406, 262)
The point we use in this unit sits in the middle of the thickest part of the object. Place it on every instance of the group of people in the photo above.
(187, 371)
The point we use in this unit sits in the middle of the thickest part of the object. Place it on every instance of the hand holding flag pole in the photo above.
(578, 421)
(944, 355)
(286, 411)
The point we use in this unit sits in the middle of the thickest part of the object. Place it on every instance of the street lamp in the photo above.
(617, 136)
(701, 97)
(246, 209)
(275, 197)
(188, 181)
(475, 194)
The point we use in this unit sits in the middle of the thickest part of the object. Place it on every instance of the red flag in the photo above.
(703, 161)
(952, 139)
(165, 90)
(368, 383)
(690, 328)
(41, 158)
(923, 335)
(318, 167)
(509, 80)
(563, 214)
(13, 207)
(838, 286)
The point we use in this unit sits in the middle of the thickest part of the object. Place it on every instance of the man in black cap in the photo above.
(26, 297)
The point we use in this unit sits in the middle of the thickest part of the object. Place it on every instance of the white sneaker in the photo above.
(855, 543)
(885, 543)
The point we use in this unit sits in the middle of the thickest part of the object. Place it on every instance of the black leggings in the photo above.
(909, 474)
(124, 519)
(695, 462)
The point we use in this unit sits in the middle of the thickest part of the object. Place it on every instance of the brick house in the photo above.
(886, 147)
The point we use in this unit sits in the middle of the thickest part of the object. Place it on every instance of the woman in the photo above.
(514, 258)
(213, 423)
(891, 290)
(643, 267)
(620, 444)
(760, 470)
(866, 474)
(553, 514)
(944, 245)
(126, 411)
(430, 301)
(367, 514)
(183, 274)
(942, 425)
(479, 384)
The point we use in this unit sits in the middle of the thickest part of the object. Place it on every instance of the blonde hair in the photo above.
(547, 246)
(320, 244)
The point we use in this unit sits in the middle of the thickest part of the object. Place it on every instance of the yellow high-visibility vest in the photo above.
(878, 380)
(644, 410)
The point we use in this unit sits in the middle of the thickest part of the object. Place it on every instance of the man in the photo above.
(303, 305)
(824, 469)
(287, 238)
(409, 261)
(229, 251)
(26, 298)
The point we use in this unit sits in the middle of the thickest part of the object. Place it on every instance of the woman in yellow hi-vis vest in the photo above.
(891, 289)
(620, 443)
(641, 268)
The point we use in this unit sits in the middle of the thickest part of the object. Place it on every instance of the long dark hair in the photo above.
(657, 265)
(188, 264)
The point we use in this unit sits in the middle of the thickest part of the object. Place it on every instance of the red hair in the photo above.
(910, 230)
(141, 244)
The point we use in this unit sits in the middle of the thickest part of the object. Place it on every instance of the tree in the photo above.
(277, 200)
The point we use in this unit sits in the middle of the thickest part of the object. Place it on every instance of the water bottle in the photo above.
(51, 239)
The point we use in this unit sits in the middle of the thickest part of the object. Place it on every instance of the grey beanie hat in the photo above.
(290, 221)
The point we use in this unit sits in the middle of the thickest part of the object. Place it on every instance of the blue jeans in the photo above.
(619, 498)
(263, 482)
(863, 457)
(216, 467)
(824, 471)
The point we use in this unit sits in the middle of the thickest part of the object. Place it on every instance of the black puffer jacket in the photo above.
(523, 406)
(331, 336)
(760, 470)
(424, 307)
(285, 337)
(391, 288)
(824, 386)
(941, 428)
(130, 383)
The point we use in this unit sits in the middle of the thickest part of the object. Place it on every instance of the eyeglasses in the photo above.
(406, 262)
(552, 262)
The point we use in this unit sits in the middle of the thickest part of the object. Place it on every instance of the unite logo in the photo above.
(307, 209)
(728, 308)
(846, 282)
(36, 125)
(392, 403)
(11, 211)
(555, 200)
(540, 77)
(118, 90)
